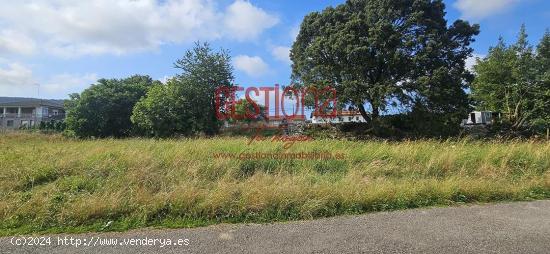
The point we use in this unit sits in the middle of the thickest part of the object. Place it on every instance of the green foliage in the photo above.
(515, 80)
(104, 109)
(186, 104)
(247, 112)
(57, 126)
(541, 103)
(166, 110)
(412, 126)
(381, 52)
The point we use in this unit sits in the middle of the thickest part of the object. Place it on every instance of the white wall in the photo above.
(338, 119)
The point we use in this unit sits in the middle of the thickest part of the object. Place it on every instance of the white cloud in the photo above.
(245, 21)
(16, 42)
(19, 81)
(14, 75)
(471, 61)
(479, 9)
(253, 66)
(69, 28)
(64, 84)
(282, 54)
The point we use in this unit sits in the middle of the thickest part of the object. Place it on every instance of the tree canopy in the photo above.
(515, 80)
(166, 110)
(186, 104)
(247, 112)
(104, 109)
(375, 52)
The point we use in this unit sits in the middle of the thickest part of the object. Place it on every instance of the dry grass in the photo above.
(53, 184)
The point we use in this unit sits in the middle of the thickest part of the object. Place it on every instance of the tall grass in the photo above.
(53, 184)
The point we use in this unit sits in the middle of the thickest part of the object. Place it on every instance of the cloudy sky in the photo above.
(50, 48)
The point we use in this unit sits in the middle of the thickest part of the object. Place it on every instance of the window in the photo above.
(27, 111)
(357, 118)
(9, 123)
(350, 118)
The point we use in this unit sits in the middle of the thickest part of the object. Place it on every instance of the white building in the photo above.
(480, 118)
(276, 121)
(29, 112)
(341, 117)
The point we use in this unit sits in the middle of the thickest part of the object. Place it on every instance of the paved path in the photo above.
(522, 227)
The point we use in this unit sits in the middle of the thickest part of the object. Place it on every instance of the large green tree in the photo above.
(377, 52)
(515, 80)
(104, 109)
(186, 104)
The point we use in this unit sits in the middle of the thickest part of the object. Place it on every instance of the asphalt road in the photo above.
(522, 227)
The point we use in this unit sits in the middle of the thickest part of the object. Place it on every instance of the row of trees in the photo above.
(377, 54)
(515, 80)
(105, 108)
(138, 105)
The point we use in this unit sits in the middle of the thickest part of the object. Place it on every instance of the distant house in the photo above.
(345, 116)
(480, 118)
(18, 113)
(276, 121)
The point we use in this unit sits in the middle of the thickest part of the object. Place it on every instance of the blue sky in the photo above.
(59, 47)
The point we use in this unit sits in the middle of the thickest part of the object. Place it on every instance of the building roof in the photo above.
(29, 102)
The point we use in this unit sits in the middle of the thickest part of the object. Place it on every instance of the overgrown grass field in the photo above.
(53, 184)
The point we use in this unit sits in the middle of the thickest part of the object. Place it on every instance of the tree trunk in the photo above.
(375, 112)
(364, 113)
